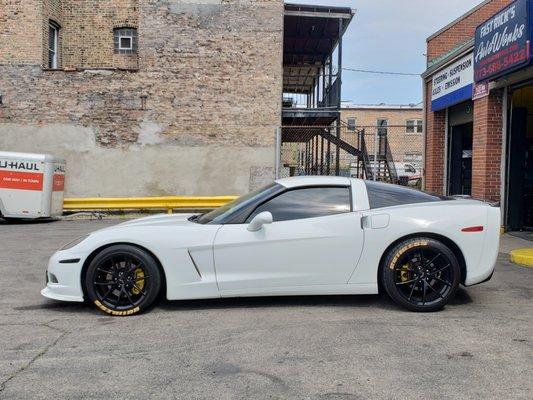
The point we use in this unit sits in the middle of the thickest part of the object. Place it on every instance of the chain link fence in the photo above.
(384, 153)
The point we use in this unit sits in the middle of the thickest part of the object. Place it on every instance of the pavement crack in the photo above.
(35, 358)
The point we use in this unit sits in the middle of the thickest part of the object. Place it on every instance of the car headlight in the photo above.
(75, 242)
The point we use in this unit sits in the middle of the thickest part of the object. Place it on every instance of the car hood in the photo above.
(157, 220)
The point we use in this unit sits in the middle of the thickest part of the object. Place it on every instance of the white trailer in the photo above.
(31, 185)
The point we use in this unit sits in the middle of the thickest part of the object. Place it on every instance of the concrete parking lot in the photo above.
(335, 347)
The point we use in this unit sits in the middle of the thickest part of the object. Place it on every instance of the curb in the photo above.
(522, 257)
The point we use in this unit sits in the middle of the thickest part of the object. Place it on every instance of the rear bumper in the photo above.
(483, 270)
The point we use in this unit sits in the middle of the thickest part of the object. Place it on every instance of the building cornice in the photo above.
(448, 58)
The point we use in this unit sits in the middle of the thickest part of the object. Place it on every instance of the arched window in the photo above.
(125, 40)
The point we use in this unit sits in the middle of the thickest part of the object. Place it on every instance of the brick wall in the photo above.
(434, 151)
(210, 74)
(20, 32)
(463, 30)
(487, 146)
(88, 32)
(52, 11)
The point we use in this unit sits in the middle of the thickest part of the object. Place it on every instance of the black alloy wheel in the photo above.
(122, 280)
(421, 274)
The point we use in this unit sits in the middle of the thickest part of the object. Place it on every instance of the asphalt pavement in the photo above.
(330, 347)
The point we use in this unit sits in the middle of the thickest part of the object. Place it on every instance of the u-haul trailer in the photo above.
(31, 185)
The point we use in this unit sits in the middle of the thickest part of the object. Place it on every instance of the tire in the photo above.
(122, 280)
(421, 274)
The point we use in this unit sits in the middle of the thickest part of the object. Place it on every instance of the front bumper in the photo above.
(67, 276)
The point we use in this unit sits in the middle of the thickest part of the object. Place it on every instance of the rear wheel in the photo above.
(421, 274)
(122, 280)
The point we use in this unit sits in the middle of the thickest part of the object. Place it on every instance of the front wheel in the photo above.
(122, 280)
(421, 274)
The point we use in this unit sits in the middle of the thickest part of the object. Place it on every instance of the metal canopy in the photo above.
(311, 34)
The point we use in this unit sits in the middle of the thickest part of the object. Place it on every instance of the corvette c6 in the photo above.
(295, 236)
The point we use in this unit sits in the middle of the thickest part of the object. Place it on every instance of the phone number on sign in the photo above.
(502, 64)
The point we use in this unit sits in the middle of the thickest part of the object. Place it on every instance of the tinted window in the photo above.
(231, 211)
(307, 203)
(387, 195)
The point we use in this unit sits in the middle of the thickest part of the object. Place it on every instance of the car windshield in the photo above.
(227, 211)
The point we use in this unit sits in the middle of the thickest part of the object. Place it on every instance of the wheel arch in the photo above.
(445, 240)
(94, 253)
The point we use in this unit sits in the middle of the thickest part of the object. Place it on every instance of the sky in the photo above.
(390, 35)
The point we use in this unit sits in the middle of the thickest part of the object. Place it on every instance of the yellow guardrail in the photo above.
(168, 203)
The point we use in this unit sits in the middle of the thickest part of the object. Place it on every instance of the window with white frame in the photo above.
(53, 45)
(125, 40)
(413, 126)
(351, 122)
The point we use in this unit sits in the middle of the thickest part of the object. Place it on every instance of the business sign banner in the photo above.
(453, 84)
(502, 42)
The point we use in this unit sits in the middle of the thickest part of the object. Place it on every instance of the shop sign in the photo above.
(452, 84)
(502, 42)
(480, 90)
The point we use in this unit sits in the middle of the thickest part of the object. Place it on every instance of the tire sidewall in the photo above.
(394, 255)
(152, 270)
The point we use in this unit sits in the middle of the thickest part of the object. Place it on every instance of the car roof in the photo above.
(296, 181)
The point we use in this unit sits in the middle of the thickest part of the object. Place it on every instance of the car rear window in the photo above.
(386, 195)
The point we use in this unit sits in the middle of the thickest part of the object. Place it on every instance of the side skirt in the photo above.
(359, 288)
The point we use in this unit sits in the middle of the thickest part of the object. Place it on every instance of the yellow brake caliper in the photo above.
(404, 273)
(139, 281)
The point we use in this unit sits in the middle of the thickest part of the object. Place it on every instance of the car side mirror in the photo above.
(259, 220)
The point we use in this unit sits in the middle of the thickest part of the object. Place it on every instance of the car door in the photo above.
(315, 239)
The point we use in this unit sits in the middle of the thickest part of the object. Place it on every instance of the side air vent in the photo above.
(194, 263)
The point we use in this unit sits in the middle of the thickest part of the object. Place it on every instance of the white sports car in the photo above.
(296, 236)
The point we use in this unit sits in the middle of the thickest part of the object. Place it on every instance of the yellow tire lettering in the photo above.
(116, 313)
(401, 252)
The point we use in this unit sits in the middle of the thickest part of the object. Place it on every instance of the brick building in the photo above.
(144, 97)
(478, 100)
(401, 123)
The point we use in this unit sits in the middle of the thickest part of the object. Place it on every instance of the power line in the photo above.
(367, 71)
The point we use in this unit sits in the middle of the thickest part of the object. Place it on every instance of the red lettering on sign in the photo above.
(59, 183)
(21, 180)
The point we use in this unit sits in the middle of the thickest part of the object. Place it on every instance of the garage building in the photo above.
(478, 91)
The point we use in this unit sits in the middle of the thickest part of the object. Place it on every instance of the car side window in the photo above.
(307, 202)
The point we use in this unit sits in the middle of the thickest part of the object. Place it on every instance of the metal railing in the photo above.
(167, 203)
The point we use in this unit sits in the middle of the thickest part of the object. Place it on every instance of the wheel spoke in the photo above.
(119, 296)
(439, 270)
(406, 282)
(105, 271)
(433, 260)
(423, 292)
(422, 258)
(412, 290)
(431, 287)
(103, 283)
(129, 297)
(442, 281)
(108, 292)
(139, 289)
